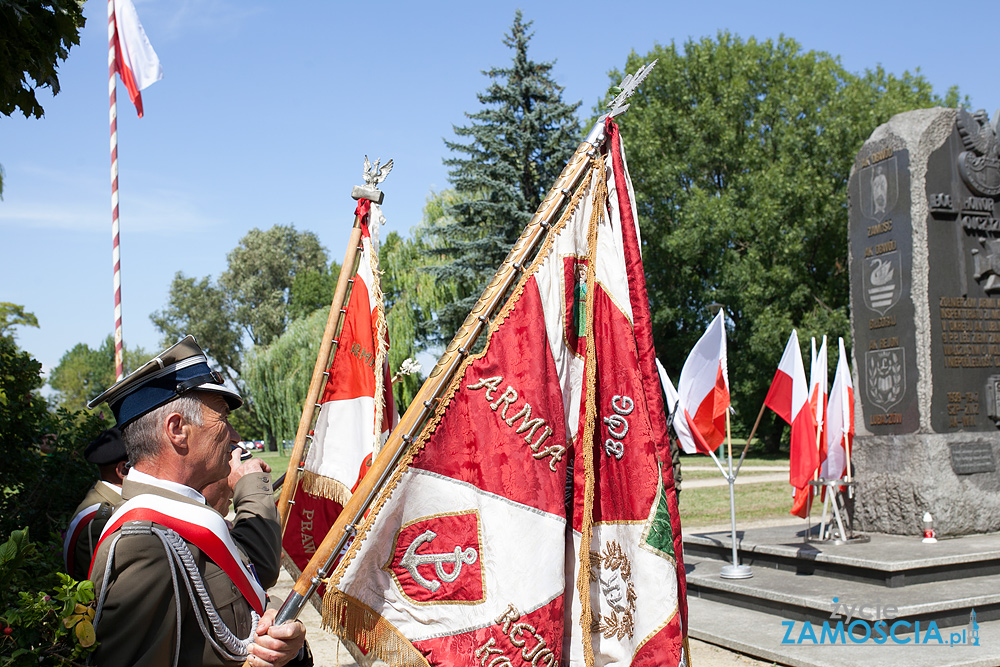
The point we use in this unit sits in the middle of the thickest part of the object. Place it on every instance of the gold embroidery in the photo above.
(614, 576)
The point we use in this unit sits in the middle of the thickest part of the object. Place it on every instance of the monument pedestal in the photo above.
(925, 317)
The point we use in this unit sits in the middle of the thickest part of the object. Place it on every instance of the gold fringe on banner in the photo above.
(583, 582)
(325, 487)
(354, 621)
(381, 334)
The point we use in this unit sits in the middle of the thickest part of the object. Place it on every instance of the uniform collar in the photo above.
(181, 489)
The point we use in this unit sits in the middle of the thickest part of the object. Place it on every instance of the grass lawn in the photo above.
(278, 463)
(710, 505)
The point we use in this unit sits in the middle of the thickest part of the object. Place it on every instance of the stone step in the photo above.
(890, 561)
(760, 635)
(803, 597)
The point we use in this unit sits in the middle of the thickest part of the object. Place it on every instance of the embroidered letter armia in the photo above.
(529, 425)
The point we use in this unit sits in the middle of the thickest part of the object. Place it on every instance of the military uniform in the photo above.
(138, 621)
(107, 496)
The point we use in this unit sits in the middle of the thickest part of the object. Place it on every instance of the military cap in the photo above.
(106, 448)
(172, 373)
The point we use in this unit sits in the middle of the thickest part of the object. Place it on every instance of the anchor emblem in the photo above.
(450, 542)
(412, 560)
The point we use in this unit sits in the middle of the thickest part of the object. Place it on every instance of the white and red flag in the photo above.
(840, 413)
(817, 404)
(135, 60)
(789, 398)
(543, 477)
(356, 407)
(703, 392)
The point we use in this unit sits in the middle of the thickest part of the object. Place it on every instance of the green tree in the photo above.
(739, 153)
(278, 375)
(83, 372)
(250, 305)
(13, 315)
(34, 37)
(517, 145)
(311, 291)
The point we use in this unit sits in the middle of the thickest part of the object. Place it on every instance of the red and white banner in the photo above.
(203, 527)
(465, 557)
(840, 413)
(704, 392)
(817, 393)
(135, 60)
(789, 398)
(356, 409)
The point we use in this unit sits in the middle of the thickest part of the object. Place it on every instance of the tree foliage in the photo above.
(740, 153)
(278, 375)
(44, 474)
(83, 373)
(249, 305)
(517, 144)
(13, 315)
(34, 36)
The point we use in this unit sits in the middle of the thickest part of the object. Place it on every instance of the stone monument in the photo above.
(924, 254)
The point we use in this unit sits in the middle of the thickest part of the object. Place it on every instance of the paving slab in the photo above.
(891, 553)
(811, 597)
(760, 635)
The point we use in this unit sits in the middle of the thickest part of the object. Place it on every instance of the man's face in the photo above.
(210, 443)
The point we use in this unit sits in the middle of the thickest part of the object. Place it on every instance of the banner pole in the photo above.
(735, 570)
(327, 348)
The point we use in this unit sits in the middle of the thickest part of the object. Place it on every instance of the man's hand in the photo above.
(248, 467)
(275, 644)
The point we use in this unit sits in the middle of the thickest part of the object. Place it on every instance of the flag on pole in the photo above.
(704, 392)
(789, 398)
(465, 557)
(135, 60)
(840, 413)
(817, 393)
(356, 409)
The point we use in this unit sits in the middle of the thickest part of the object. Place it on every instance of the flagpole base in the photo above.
(736, 572)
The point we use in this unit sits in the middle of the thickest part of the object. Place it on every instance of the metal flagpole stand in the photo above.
(735, 570)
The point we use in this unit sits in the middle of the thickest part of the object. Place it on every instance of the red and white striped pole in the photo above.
(116, 250)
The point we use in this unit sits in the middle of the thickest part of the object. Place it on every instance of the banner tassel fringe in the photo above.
(354, 621)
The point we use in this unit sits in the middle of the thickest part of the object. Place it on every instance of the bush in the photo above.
(45, 619)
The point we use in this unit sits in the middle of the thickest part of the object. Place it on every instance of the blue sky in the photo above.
(266, 111)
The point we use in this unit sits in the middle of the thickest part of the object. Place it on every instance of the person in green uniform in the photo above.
(107, 452)
(175, 585)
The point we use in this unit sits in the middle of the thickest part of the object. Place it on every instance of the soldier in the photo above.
(174, 585)
(107, 452)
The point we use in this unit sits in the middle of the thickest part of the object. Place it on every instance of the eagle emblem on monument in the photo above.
(979, 164)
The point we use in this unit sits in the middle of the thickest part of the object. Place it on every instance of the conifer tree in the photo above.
(518, 143)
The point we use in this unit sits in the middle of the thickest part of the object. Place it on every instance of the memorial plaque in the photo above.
(882, 246)
(964, 276)
(925, 316)
(968, 458)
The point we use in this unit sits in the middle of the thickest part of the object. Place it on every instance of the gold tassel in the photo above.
(352, 620)
(587, 622)
(325, 487)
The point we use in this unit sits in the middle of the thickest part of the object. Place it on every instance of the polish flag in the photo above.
(840, 413)
(704, 391)
(135, 60)
(356, 407)
(789, 398)
(817, 393)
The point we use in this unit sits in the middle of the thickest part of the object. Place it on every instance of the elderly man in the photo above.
(174, 585)
(107, 452)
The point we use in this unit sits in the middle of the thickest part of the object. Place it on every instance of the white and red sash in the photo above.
(201, 526)
(76, 526)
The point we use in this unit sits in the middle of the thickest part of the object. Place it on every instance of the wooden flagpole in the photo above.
(327, 349)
